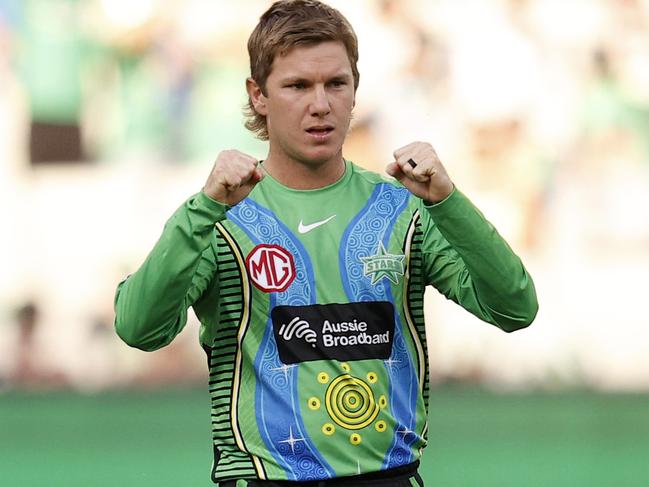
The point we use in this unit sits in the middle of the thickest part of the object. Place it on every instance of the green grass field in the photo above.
(476, 438)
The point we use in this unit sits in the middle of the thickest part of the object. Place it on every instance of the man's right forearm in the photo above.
(151, 304)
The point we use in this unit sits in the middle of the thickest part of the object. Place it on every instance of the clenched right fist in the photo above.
(233, 177)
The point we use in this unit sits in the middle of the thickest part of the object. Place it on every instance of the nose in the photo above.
(320, 104)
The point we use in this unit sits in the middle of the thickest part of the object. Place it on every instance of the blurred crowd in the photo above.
(111, 111)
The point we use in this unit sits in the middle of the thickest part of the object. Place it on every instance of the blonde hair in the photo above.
(290, 23)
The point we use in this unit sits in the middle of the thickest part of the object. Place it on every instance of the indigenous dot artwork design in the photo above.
(350, 404)
(280, 422)
(372, 227)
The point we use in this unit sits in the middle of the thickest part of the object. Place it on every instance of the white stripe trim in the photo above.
(243, 326)
(406, 308)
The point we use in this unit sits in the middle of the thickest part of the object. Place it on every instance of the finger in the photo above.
(407, 164)
(394, 170)
(245, 169)
(401, 152)
(252, 178)
(246, 187)
(430, 171)
(232, 182)
(237, 154)
(257, 175)
(423, 172)
(252, 161)
(423, 160)
(244, 172)
(398, 153)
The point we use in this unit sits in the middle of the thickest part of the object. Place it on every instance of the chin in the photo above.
(320, 155)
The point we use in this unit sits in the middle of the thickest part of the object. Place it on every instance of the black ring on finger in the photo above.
(412, 163)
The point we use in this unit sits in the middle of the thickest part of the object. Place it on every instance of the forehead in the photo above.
(323, 59)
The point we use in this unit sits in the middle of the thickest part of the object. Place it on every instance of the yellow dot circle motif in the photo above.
(328, 429)
(345, 366)
(355, 439)
(372, 378)
(314, 403)
(350, 402)
(381, 426)
(353, 401)
(323, 377)
(383, 402)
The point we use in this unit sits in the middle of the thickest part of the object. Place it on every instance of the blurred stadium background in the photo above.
(111, 113)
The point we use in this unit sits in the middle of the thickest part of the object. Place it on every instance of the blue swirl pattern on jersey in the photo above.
(277, 407)
(372, 225)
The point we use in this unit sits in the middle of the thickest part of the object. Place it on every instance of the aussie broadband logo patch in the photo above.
(300, 329)
(271, 268)
(352, 331)
(383, 264)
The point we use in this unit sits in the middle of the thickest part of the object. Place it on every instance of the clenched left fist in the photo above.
(419, 169)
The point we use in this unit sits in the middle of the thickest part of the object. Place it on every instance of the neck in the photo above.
(300, 175)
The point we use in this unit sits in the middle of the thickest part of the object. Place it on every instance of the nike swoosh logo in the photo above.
(302, 228)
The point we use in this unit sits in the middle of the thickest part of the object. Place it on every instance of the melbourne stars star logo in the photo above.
(383, 264)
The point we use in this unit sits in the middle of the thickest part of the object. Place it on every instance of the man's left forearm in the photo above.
(502, 285)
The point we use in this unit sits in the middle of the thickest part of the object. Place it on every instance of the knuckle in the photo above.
(224, 157)
(400, 151)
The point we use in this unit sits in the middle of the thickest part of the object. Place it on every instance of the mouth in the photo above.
(321, 132)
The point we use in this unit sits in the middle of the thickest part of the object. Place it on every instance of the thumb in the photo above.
(394, 170)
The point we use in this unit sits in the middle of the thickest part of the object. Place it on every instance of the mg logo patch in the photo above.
(382, 264)
(271, 268)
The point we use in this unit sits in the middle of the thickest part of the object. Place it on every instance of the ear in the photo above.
(256, 96)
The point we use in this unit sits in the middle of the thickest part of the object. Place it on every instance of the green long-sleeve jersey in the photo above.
(311, 311)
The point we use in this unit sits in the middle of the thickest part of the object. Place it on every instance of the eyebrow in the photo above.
(300, 79)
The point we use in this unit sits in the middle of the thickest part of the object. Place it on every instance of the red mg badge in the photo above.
(271, 268)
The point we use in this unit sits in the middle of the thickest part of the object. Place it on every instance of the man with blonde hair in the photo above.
(307, 274)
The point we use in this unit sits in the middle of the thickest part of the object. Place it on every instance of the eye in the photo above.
(338, 83)
(297, 86)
